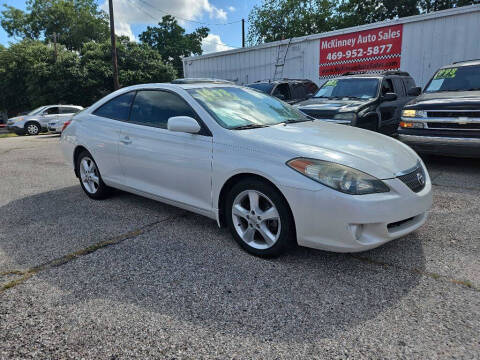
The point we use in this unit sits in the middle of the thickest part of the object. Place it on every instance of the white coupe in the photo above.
(270, 173)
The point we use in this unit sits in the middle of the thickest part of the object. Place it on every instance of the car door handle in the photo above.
(126, 140)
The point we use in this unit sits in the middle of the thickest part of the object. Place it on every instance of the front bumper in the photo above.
(15, 129)
(442, 144)
(332, 221)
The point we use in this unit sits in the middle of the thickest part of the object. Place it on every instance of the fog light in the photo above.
(357, 230)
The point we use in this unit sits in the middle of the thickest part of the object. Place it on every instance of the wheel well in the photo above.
(77, 152)
(32, 122)
(235, 180)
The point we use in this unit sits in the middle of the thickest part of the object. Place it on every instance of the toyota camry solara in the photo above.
(253, 163)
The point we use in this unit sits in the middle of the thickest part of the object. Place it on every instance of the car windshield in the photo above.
(263, 87)
(241, 107)
(464, 78)
(353, 87)
(37, 110)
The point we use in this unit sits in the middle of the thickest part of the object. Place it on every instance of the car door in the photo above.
(49, 115)
(102, 136)
(388, 108)
(172, 165)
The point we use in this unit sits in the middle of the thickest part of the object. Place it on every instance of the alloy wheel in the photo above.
(256, 219)
(33, 129)
(89, 175)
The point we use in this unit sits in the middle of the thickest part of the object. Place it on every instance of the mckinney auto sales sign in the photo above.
(376, 49)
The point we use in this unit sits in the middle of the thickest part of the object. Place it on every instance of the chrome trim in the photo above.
(337, 121)
(439, 139)
(408, 171)
(456, 110)
(452, 120)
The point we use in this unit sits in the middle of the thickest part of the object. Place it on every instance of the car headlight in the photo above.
(345, 116)
(17, 120)
(414, 113)
(338, 177)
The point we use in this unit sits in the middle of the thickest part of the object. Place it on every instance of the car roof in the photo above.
(280, 81)
(462, 63)
(195, 85)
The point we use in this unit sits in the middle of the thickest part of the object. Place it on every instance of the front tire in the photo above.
(90, 178)
(259, 218)
(32, 128)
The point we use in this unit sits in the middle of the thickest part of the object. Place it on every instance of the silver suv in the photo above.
(50, 117)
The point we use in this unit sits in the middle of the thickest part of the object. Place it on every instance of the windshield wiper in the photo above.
(293, 121)
(249, 126)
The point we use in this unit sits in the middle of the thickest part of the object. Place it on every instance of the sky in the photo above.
(133, 16)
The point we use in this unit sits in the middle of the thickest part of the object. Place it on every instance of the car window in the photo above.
(362, 88)
(463, 78)
(299, 91)
(409, 83)
(51, 111)
(68, 110)
(311, 87)
(118, 108)
(282, 90)
(155, 107)
(399, 87)
(387, 86)
(264, 87)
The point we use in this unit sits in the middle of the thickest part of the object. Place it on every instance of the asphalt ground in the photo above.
(129, 278)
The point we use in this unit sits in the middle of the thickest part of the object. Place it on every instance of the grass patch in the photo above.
(7, 135)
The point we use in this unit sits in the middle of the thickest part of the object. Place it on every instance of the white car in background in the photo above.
(273, 175)
(43, 118)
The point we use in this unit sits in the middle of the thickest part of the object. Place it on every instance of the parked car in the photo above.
(370, 101)
(42, 118)
(252, 162)
(445, 119)
(288, 90)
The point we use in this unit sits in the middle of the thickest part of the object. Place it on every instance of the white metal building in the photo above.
(427, 42)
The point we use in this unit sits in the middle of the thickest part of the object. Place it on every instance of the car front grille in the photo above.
(453, 114)
(415, 180)
(319, 114)
(454, 125)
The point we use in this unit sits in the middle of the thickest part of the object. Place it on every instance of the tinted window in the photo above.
(399, 88)
(409, 83)
(155, 107)
(118, 108)
(51, 111)
(387, 86)
(299, 91)
(282, 91)
(68, 110)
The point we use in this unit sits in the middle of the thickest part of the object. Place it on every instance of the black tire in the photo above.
(101, 191)
(286, 235)
(32, 128)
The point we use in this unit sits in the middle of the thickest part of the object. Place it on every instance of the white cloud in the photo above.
(231, 9)
(128, 12)
(213, 43)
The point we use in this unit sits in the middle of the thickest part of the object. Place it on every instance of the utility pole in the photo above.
(116, 84)
(243, 33)
(55, 46)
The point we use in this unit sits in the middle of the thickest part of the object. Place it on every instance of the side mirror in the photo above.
(389, 97)
(309, 95)
(280, 96)
(184, 124)
(414, 91)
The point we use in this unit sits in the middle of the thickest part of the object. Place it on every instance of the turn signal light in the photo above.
(411, 125)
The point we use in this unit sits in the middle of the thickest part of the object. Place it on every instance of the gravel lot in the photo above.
(132, 278)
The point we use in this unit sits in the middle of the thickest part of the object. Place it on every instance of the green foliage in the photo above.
(280, 19)
(30, 77)
(74, 21)
(171, 42)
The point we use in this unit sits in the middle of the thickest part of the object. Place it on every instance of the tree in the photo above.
(280, 19)
(30, 77)
(73, 21)
(171, 42)
(435, 5)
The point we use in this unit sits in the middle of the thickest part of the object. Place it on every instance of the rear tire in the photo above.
(90, 178)
(259, 218)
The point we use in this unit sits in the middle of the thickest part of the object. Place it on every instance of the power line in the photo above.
(205, 40)
(190, 20)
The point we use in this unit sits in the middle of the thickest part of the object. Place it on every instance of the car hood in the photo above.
(331, 104)
(367, 151)
(449, 100)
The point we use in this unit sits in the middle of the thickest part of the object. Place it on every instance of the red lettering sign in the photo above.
(376, 49)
